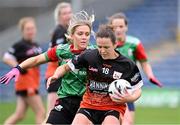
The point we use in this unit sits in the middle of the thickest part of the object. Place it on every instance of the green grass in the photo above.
(6, 109)
(163, 115)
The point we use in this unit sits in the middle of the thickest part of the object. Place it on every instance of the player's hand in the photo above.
(50, 80)
(121, 99)
(156, 82)
(14, 73)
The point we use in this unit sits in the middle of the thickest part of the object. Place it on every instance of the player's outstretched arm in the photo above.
(33, 61)
(19, 69)
(149, 73)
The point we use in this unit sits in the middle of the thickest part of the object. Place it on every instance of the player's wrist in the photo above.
(22, 71)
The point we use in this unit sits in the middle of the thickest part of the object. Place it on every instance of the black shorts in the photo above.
(64, 111)
(131, 106)
(98, 116)
(54, 86)
(26, 93)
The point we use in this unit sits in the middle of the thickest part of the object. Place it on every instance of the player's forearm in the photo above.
(33, 61)
(61, 70)
(10, 62)
(135, 95)
(147, 69)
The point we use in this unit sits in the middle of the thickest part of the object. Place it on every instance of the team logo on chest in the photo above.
(117, 75)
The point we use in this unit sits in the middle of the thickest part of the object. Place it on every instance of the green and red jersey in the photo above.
(73, 83)
(132, 48)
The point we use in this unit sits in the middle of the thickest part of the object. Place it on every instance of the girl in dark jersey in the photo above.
(103, 65)
(27, 84)
(62, 15)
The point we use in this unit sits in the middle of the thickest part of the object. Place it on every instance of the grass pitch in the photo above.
(144, 115)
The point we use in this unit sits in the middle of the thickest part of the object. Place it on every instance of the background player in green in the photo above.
(72, 84)
(132, 48)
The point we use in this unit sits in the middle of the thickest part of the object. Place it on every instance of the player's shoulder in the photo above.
(132, 39)
(19, 44)
(91, 50)
(125, 59)
(89, 53)
(59, 29)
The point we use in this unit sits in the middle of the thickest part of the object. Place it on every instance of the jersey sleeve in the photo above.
(135, 78)
(51, 54)
(140, 53)
(13, 51)
(78, 62)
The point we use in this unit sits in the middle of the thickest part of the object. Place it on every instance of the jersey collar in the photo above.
(120, 43)
(75, 51)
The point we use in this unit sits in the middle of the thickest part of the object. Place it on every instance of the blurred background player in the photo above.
(62, 15)
(132, 48)
(27, 85)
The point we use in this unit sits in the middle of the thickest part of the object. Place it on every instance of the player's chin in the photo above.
(83, 45)
(104, 57)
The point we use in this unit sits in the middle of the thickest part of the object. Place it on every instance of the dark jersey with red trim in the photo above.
(22, 50)
(100, 74)
(132, 48)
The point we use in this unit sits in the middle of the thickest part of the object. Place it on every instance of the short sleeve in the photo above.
(51, 54)
(140, 53)
(135, 78)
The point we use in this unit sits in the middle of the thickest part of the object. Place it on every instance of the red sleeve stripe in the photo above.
(140, 53)
(51, 53)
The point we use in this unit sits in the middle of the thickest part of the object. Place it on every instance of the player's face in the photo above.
(120, 28)
(106, 48)
(29, 30)
(81, 37)
(65, 15)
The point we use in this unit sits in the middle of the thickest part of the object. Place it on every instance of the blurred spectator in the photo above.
(27, 84)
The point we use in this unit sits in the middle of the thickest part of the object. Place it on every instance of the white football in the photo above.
(120, 86)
